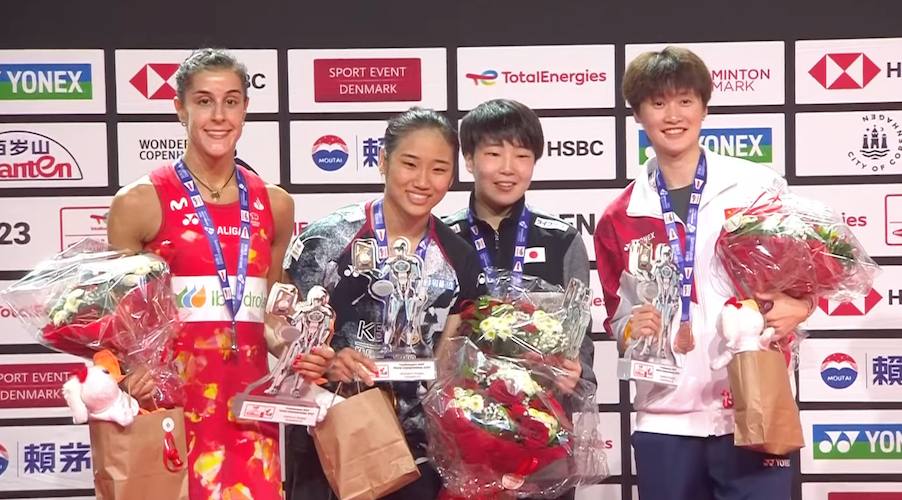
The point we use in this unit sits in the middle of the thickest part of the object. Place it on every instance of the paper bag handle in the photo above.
(171, 458)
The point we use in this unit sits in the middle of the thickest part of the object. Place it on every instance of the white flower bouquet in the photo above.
(527, 315)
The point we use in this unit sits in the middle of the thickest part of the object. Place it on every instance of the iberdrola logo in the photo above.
(192, 297)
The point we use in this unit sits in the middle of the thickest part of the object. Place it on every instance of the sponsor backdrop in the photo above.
(85, 107)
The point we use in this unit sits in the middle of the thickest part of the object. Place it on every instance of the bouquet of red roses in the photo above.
(90, 298)
(783, 242)
(497, 427)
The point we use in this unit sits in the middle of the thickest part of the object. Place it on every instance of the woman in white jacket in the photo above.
(683, 439)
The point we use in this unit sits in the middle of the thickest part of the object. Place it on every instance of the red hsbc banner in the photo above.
(34, 385)
(367, 80)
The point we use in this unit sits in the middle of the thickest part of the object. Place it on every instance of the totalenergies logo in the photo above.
(191, 297)
(487, 77)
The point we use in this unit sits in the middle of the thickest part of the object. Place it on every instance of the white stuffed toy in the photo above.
(742, 325)
(93, 393)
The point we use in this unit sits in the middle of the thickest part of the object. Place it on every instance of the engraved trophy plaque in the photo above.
(289, 398)
(651, 358)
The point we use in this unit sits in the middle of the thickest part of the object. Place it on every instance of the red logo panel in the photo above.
(853, 70)
(367, 80)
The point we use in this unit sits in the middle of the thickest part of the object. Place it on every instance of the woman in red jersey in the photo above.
(223, 232)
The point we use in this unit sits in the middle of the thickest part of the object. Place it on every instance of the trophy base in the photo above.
(277, 409)
(648, 371)
(406, 370)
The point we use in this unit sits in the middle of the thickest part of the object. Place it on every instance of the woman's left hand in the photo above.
(786, 314)
(572, 369)
(313, 366)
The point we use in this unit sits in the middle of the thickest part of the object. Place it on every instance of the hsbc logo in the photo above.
(844, 71)
(156, 80)
(146, 79)
(574, 148)
(858, 307)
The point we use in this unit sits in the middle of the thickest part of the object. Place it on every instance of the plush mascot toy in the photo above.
(93, 393)
(742, 325)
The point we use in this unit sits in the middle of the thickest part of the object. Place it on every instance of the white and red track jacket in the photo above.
(699, 405)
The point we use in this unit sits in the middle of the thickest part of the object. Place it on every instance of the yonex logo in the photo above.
(190, 219)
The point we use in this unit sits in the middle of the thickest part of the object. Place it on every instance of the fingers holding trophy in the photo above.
(649, 355)
(288, 397)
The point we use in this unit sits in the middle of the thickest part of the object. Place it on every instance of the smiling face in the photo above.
(502, 171)
(673, 122)
(418, 172)
(213, 112)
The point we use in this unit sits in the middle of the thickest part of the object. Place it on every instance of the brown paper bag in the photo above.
(129, 461)
(764, 409)
(362, 448)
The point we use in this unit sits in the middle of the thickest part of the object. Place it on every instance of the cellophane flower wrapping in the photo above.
(89, 298)
(784, 242)
(498, 427)
(522, 315)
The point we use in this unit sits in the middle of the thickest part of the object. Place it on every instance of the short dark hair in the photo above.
(672, 69)
(414, 119)
(502, 120)
(208, 59)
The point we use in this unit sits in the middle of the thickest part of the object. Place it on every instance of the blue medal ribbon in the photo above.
(685, 261)
(485, 259)
(233, 301)
(381, 234)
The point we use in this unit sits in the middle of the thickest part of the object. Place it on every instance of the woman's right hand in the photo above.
(645, 321)
(351, 365)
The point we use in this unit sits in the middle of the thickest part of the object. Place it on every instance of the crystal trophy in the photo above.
(575, 321)
(398, 283)
(651, 358)
(289, 398)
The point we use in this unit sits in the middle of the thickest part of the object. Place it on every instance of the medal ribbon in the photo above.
(233, 301)
(685, 261)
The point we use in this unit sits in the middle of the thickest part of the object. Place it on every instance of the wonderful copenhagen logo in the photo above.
(857, 441)
(46, 81)
(487, 77)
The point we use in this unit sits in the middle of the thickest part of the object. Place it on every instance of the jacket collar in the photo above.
(644, 200)
(512, 218)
